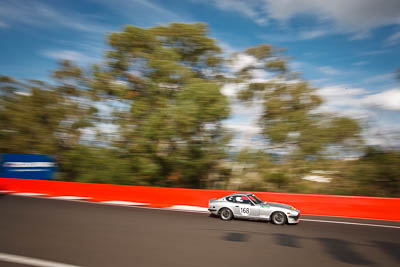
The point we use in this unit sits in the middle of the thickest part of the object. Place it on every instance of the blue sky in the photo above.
(349, 49)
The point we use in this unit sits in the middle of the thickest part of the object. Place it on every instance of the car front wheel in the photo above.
(278, 218)
(226, 214)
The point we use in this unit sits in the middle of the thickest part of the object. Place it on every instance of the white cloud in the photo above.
(248, 9)
(354, 103)
(296, 64)
(231, 89)
(360, 63)
(279, 38)
(68, 55)
(339, 99)
(319, 82)
(261, 75)
(247, 134)
(393, 39)
(340, 91)
(384, 135)
(361, 35)
(356, 99)
(152, 6)
(343, 100)
(355, 15)
(253, 111)
(227, 48)
(295, 36)
(389, 100)
(243, 118)
(38, 14)
(249, 129)
(306, 35)
(329, 70)
(242, 61)
(373, 52)
(379, 78)
(146, 11)
(3, 25)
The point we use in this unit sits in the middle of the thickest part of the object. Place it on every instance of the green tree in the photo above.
(170, 105)
(36, 117)
(96, 164)
(377, 173)
(291, 123)
(163, 87)
(290, 117)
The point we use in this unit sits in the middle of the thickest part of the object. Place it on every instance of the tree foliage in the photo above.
(159, 90)
(290, 107)
(166, 106)
(377, 173)
(165, 77)
(40, 118)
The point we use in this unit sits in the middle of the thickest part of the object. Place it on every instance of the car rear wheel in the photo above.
(278, 218)
(226, 214)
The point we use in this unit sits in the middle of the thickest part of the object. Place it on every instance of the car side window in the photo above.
(230, 199)
(245, 200)
(238, 199)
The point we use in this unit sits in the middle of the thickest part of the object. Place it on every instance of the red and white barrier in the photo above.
(197, 199)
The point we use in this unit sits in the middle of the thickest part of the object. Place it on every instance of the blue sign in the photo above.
(27, 166)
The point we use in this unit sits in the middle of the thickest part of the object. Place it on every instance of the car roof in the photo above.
(241, 194)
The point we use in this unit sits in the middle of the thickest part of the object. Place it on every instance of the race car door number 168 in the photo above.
(244, 211)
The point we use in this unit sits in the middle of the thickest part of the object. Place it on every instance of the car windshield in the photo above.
(255, 199)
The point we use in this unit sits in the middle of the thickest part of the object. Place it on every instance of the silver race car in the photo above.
(249, 206)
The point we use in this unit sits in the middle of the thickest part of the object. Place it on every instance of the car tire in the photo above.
(278, 218)
(226, 214)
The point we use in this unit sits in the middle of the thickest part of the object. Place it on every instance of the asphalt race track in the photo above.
(88, 234)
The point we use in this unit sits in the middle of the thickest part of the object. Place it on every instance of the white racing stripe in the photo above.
(32, 261)
(352, 223)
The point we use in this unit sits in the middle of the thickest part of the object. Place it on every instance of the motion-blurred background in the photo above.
(230, 94)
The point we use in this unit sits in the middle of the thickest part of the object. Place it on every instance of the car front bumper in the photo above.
(294, 219)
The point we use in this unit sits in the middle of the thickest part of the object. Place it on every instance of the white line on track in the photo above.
(353, 223)
(6, 191)
(124, 203)
(310, 220)
(32, 261)
(193, 209)
(28, 194)
(188, 208)
(70, 198)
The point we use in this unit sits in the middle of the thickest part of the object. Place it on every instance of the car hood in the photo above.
(278, 205)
